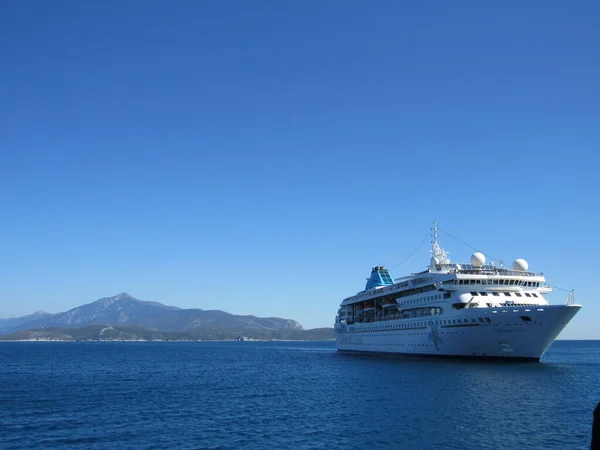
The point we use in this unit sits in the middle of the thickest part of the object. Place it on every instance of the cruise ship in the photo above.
(474, 310)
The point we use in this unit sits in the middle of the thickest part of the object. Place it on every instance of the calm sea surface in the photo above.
(300, 395)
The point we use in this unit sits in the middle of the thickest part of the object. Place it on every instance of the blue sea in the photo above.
(296, 395)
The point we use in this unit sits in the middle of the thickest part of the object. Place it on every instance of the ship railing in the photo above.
(485, 270)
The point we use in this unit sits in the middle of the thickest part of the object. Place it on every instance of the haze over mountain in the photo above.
(7, 325)
(123, 309)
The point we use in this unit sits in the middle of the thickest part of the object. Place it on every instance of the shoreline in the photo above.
(165, 340)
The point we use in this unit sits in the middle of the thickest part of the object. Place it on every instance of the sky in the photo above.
(260, 157)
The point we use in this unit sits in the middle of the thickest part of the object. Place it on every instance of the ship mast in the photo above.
(438, 255)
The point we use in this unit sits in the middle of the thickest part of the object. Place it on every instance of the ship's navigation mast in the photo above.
(438, 255)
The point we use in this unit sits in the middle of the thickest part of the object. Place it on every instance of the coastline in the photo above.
(165, 340)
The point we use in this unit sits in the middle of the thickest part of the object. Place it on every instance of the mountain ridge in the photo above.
(124, 309)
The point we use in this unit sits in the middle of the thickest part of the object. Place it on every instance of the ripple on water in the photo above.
(289, 395)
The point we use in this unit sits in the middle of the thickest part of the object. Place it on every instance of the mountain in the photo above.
(120, 309)
(7, 325)
(123, 309)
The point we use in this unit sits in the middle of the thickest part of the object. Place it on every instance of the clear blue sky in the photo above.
(259, 157)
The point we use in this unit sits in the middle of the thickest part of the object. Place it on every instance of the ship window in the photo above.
(481, 320)
(477, 281)
(495, 293)
(535, 295)
(483, 293)
(526, 318)
(471, 281)
(474, 293)
(507, 294)
(385, 276)
(527, 294)
(488, 319)
(518, 294)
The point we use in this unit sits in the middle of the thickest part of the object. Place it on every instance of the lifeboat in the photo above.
(389, 303)
(369, 306)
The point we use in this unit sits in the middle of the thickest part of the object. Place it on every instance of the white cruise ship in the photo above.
(474, 310)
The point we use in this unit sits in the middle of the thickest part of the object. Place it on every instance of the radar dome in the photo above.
(477, 259)
(520, 264)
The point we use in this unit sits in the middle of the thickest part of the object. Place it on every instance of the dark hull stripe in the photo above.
(439, 356)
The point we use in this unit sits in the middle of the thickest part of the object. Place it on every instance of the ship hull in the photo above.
(506, 333)
(437, 356)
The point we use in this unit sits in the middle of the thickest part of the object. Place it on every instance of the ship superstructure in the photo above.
(460, 310)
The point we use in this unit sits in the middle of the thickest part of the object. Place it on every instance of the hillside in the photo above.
(123, 309)
(127, 333)
(130, 319)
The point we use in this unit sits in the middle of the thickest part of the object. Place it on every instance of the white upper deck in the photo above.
(448, 276)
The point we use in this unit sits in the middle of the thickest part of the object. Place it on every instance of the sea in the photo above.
(289, 395)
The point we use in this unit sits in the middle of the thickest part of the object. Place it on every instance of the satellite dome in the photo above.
(520, 264)
(477, 259)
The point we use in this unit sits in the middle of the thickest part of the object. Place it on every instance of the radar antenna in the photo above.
(438, 255)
